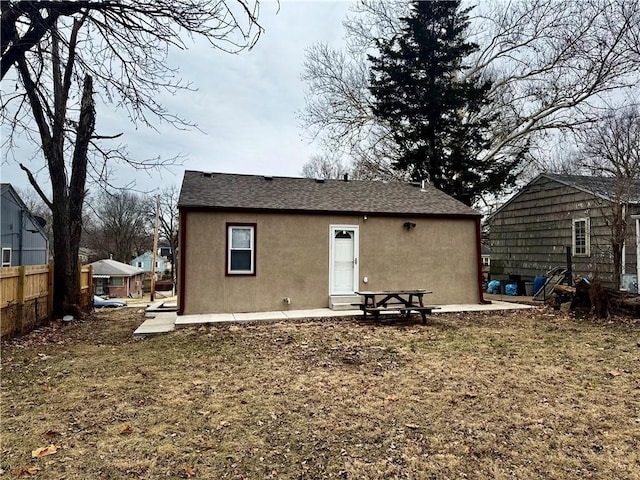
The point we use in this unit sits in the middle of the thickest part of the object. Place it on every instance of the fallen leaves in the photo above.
(26, 472)
(189, 471)
(44, 451)
(474, 406)
(614, 373)
(126, 429)
(50, 434)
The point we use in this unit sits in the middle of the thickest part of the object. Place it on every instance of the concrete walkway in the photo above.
(167, 321)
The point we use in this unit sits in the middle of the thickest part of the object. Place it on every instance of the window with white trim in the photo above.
(241, 252)
(6, 257)
(581, 240)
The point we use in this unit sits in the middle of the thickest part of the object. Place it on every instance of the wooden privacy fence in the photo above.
(27, 296)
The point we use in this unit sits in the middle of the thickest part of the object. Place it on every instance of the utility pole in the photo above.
(155, 250)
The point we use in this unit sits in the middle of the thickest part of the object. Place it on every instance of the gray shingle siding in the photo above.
(530, 233)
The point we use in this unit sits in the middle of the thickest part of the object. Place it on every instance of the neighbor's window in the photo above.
(117, 281)
(241, 251)
(6, 257)
(140, 265)
(581, 243)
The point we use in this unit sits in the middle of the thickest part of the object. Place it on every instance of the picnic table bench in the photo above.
(404, 301)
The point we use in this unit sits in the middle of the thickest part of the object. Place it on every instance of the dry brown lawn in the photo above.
(505, 395)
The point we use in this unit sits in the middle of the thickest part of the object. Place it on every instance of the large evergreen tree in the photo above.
(438, 117)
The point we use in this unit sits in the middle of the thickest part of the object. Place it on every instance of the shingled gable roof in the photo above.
(114, 268)
(603, 187)
(222, 191)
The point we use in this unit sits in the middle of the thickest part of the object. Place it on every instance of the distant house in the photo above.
(144, 262)
(254, 243)
(117, 279)
(164, 250)
(85, 254)
(486, 261)
(24, 241)
(531, 232)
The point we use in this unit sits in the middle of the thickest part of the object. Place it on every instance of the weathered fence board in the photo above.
(27, 297)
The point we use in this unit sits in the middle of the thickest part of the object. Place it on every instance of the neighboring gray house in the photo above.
(24, 241)
(531, 232)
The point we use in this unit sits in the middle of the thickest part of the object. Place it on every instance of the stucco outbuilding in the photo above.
(253, 243)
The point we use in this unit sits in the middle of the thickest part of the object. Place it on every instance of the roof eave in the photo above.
(326, 212)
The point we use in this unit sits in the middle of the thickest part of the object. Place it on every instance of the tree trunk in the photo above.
(617, 265)
(67, 212)
(618, 235)
(63, 278)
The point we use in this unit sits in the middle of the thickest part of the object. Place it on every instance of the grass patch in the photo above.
(523, 395)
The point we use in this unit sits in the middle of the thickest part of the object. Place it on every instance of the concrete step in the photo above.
(343, 306)
(344, 302)
(162, 306)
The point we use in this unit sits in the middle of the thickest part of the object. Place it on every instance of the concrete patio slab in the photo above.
(203, 319)
(161, 323)
(489, 307)
(257, 316)
(166, 321)
(320, 313)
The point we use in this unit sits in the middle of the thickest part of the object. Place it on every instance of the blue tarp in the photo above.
(493, 287)
(511, 289)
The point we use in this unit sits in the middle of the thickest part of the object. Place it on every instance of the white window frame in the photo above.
(252, 248)
(6, 264)
(587, 235)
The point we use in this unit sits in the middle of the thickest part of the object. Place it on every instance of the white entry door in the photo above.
(343, 259)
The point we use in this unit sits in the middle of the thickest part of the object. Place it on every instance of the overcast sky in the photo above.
(245, 105)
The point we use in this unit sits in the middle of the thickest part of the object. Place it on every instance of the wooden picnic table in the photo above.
(405, 301)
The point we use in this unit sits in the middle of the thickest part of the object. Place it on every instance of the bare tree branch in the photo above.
(36, 186)
(555, 66)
